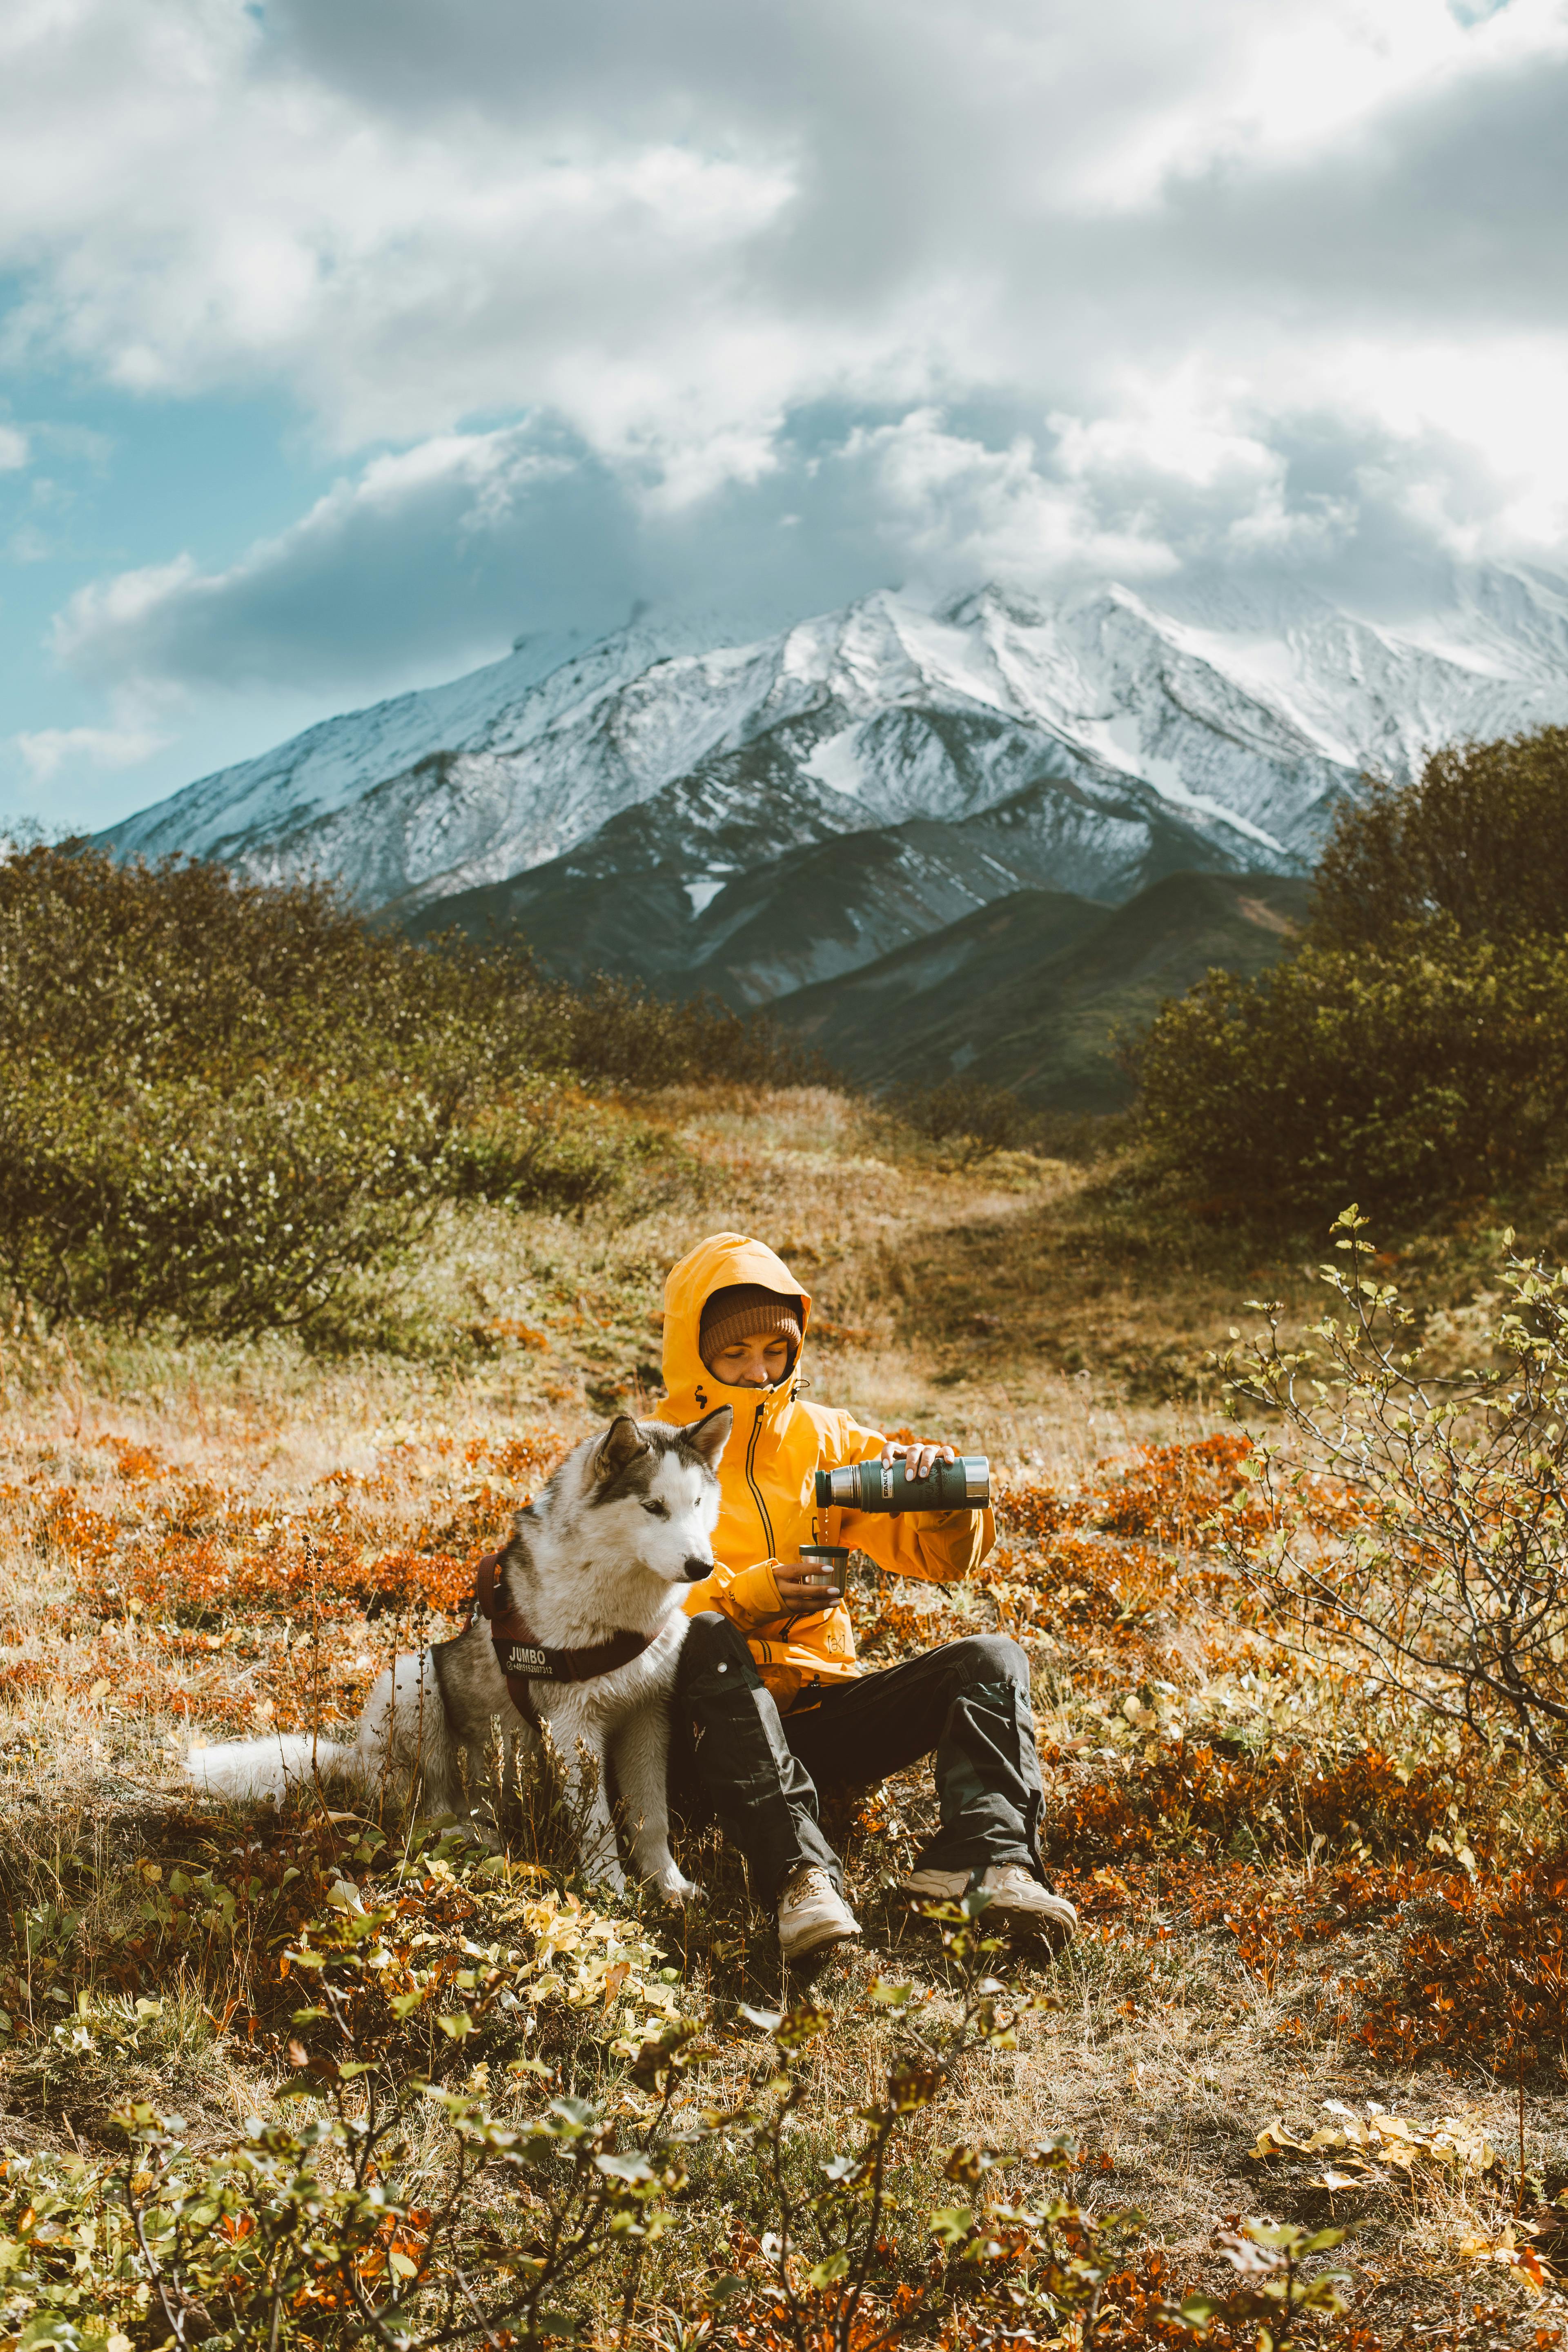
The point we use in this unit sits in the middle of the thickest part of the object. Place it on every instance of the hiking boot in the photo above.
(812, 1913)
(1017, 1899)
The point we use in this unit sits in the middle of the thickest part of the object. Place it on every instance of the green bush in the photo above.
(228, 1103)
(1479, 842)
(1415, 1049)
(1447, 1561)
(552, 1146)
(412, 2195)
(975, 1118)
(232, 1213)
(1411, 1078)
(616, 1032)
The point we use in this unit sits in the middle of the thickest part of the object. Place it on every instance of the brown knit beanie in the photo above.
(742, 1310)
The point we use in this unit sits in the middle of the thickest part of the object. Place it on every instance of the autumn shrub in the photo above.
(1479, 840)
(1409, 1077)
(976, 1119)
(615, 1032)
(1451, 1576)
(1483, 1966)
(551, 1145)
(230, 1211)
(1205, 1798)
(413, 2193)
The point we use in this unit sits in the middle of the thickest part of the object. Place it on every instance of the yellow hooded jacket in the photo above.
(767, 1480)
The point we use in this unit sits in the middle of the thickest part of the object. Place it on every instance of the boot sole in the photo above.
(826, 1942)
(1035, 1926)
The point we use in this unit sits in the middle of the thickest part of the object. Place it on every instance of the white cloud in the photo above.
(48, 751)
(957, 511)
(1111, 285)
(13, 449)
(213, 211)
(676, 226)
(414, 556)
(440, 553)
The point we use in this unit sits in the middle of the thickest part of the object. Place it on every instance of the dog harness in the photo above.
(522, 1657)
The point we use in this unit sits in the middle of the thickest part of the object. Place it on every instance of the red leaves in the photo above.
(1169, 1492)
(1488, 1976)
(1193, 1794)
(1165, 1494)
(200, 1600)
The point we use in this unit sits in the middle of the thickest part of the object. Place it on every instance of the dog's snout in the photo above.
(694, 1571)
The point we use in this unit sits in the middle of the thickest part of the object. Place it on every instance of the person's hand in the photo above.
(919, 1460)
(805, 1584)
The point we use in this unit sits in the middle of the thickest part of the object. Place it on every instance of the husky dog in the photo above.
(591, 1586)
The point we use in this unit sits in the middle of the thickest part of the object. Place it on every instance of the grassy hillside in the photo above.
(203, 1541)
(1031, 991)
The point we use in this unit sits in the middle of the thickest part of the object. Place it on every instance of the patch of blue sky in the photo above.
(114, 481)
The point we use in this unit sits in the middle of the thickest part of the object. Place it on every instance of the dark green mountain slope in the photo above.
(808, 915)
(740, 880)
(1028, 992)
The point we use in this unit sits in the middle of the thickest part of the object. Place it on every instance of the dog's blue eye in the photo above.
(656, 1510)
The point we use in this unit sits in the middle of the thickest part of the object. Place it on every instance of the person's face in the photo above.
(753, 1363)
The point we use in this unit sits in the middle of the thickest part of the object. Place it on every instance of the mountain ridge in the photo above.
(1225, 723)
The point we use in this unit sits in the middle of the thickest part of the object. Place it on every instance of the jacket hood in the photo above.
(714, 1264)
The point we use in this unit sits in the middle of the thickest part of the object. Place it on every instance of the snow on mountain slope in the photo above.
(1234, 716)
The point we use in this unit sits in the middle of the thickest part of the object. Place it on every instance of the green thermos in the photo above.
(960, 1485)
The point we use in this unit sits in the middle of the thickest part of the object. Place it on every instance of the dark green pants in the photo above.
(967, 1702)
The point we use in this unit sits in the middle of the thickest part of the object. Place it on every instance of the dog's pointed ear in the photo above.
(710, 1435)
(619, 1446)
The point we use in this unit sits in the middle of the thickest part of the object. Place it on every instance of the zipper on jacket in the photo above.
(756, 1490)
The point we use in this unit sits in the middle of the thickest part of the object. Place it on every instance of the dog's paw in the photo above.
(675, 1889)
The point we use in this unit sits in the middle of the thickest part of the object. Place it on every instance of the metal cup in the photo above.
(830, 1560)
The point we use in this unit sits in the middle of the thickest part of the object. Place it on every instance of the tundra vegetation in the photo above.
(321, 1249)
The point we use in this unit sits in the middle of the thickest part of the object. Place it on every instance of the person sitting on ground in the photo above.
(771, 1703)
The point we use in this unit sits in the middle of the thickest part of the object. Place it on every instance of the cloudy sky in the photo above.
(343, 341)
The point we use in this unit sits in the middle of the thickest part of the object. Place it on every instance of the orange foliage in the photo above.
(189, 1599)
(1168, 1493)
(136, 1464)
(1489, 1973)
(193, 1601)
(517, 1457)
(1190, 1796)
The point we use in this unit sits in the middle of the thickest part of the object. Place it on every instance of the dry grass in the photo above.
(202, 1541)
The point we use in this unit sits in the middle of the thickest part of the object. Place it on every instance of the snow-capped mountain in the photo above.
(1071, 738)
